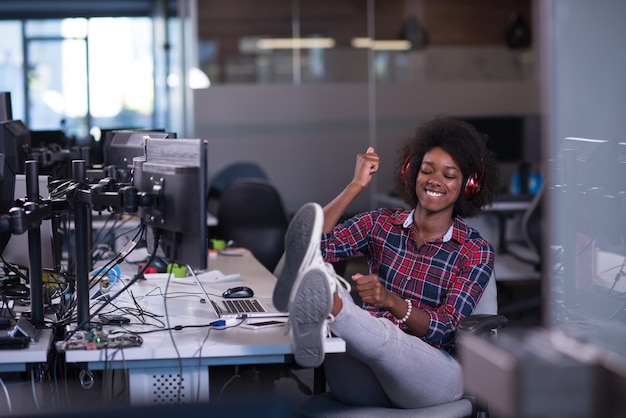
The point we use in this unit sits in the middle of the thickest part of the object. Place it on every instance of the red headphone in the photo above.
(472, 185)
(405, 168)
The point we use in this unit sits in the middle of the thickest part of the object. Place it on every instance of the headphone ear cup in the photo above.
(472, 186)
(474, 183)
(404, 171)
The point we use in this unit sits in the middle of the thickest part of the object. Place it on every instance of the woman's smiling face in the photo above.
(439, 181)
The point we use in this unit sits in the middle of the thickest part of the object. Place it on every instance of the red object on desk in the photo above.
(149, 270)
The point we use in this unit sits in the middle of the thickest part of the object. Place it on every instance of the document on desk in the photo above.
(207, 278)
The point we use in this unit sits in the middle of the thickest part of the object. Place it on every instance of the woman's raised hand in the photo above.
(366, 165)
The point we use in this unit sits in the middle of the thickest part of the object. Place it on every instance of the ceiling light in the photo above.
(295, 43)
(381, 45)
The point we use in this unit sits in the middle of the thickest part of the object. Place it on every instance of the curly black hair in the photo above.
(468, 148)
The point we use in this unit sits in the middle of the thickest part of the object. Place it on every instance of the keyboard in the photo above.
(235, 306)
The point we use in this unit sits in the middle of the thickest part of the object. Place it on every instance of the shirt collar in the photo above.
(408, 223)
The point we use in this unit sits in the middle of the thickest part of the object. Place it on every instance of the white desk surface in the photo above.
(36, 352)
(191, 346)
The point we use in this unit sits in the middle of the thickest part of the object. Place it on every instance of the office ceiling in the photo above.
(41, 9)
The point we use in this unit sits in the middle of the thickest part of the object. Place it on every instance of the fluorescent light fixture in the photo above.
(295, 43)
(384, 45)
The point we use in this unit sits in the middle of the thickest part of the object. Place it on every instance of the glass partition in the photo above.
(295, 41)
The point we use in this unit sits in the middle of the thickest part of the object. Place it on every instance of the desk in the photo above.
(158, 362)
(36, 353)
(504, 209)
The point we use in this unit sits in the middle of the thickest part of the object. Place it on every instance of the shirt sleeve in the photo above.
(348, 239)
(463, 293)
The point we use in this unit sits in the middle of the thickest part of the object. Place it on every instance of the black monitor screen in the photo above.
(177, 172)
(506, 136)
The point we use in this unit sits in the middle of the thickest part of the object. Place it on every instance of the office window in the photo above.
(121, 72)
(89, 72)
(11, 64)
(81, 73)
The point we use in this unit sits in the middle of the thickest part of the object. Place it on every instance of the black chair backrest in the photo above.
(251, 213)
(233, 172)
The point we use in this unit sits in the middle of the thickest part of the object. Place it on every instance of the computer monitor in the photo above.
(15, 144)
(125, 145)
(512, 138)
(6, 111)
(176, 171)
(102, 138)
(14, 139)
(43, 139)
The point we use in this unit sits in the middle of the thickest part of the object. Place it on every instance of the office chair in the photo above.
(528, 249)
(230, 173)
(252, 215)
(483, 321)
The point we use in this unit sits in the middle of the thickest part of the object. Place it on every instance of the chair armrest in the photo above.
(482, 323)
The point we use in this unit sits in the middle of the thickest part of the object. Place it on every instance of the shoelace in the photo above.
(343, 282)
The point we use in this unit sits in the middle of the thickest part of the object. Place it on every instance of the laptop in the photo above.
(240, 308)
(20, 336)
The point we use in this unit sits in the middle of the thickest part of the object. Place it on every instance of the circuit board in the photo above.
(97, 339)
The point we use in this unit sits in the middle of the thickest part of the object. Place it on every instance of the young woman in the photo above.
(427, 271)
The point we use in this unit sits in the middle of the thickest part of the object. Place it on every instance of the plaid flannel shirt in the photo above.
(445, 278)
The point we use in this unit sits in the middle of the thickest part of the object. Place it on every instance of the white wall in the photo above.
(306, 137)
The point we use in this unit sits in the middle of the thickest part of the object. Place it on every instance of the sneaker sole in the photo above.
(305, 229)
(309, 310)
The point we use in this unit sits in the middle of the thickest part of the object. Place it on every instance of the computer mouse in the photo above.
(238, 292)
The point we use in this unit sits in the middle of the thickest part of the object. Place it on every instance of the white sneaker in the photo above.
(302, 248)
(310, 305)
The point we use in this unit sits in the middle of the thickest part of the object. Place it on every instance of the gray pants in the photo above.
(384, 366)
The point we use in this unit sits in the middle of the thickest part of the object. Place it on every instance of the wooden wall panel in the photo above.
(472, 22)
(448, 22)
